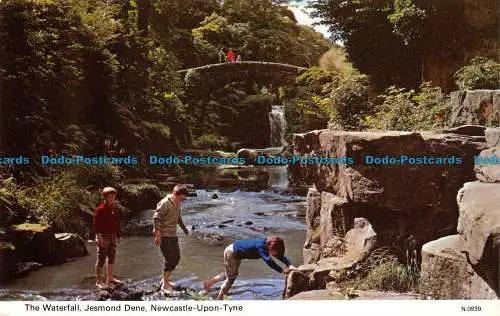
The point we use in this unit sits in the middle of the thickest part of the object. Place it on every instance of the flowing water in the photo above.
(231, 214)
(278, 124)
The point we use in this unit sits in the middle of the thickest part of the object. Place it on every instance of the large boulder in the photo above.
(8, 261)
(487, 165)
(296, 282)
(470, 130)
(475, 107)
(139, 197)
(72, 245)
(479, 220)
(492, 137)
(447, 274)
(403, 200)
(399, 186)
(36, 243)
(250, 155)
(359, 243)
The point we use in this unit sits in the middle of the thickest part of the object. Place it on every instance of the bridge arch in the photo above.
(213, 76)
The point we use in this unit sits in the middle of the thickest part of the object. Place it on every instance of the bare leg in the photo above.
(98, 276)
(110, 277)
(207, 284)
(165, 282)
(224, 290)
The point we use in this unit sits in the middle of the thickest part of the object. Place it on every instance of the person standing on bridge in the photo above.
(230, 56)
(222, 55)
(238, 59)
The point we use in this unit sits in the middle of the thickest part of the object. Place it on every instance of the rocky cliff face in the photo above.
(466, 265)
(475, 107)
(406, 203)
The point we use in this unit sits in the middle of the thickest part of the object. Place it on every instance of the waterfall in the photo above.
(278, 125)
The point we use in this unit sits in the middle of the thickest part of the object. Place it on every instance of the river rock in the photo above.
(296, 282)
(447, 274)
(492, 137)
(356, 295)
(359, 242)
(311, 253)
(470, 130)
(72, 245)
(36, 243)
(474, 107)
(479, 220)
(249, 155)
(487, 165)
(8, 261)
(139, 197)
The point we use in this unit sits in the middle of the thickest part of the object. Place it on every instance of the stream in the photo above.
(227, 214)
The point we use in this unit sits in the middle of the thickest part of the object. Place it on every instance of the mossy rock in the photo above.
(139, 197)
(8, 261)
(37, 228)
(36, 242)
(7, 245)
(72, 245)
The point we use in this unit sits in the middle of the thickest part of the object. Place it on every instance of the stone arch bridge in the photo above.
(213, 76)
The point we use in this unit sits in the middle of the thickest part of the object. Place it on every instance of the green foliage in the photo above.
(82, 61)
(211, 141)
(367, 35)
(408, 20)
(480, 73)
(54, 201)
(408, 110)
(258, 30)
(381, 271)
(96, 176)
(350, 101)
(308, 106)
(396, 41)
(336, 60)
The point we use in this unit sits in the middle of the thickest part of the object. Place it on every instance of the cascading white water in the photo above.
(278, 125)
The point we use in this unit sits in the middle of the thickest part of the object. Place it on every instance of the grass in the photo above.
(380, 271)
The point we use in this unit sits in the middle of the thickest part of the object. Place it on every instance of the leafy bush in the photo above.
(481, 73)
(308, 106)
(336, 60)
(408, 110)
(55, 201)
(211, 141)
(350, 100)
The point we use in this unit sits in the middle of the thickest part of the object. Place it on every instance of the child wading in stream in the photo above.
(165, 219)
(107, 229)
(249, 249)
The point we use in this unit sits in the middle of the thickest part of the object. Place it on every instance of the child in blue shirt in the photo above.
(249, 249)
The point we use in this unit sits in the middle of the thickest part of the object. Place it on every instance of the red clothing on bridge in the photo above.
(230, 56)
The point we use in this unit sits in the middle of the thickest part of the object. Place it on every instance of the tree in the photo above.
(400, 42)
(366, 32)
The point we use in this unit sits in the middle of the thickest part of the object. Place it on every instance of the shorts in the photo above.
(171, 253)
(231, 263)
(107, 250)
